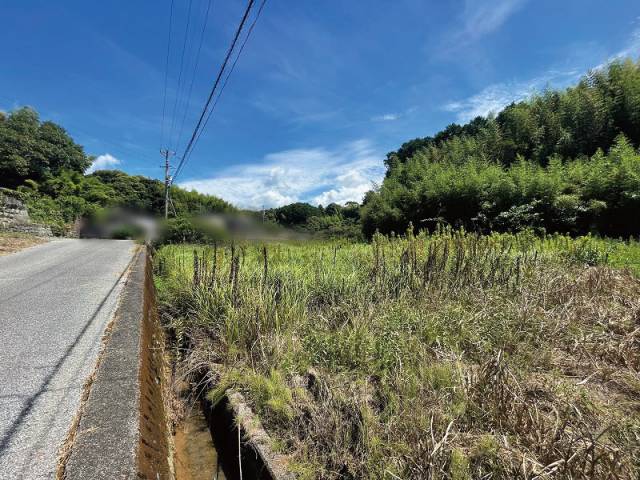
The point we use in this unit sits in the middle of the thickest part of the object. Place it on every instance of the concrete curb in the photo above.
(240, 438)
(122, 430)
(257, 439)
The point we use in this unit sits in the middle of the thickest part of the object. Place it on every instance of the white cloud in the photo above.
(103, 161)
(495, 97)
(492, 99)
(631, 49)
(482, 17)
(387, 117)
(315, 175)
(348, 187)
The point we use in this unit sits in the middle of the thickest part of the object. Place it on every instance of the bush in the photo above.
(127, 232)
(185, 230)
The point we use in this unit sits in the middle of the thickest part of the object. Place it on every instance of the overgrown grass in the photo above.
(445, 356)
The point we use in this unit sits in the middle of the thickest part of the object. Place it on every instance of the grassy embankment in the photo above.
(443, 356)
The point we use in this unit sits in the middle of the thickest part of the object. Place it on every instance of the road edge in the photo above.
(122, 428)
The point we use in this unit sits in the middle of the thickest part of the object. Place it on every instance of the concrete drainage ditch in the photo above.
(243, 445)
(220, 442)
(195, 456)
(123, 429)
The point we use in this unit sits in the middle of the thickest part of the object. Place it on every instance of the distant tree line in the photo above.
(334, 220)
(563, 161)
(46, 167)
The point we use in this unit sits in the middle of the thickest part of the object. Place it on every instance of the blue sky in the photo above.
(323, 90)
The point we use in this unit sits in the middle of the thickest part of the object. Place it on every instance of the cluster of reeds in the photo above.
(450, 355)
(452, 260)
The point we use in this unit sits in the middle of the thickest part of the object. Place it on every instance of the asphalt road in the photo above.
(55, 301)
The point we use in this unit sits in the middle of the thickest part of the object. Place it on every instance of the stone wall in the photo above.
(14, 217)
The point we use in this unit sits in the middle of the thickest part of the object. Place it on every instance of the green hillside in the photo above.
(564, 161)
(46, 167)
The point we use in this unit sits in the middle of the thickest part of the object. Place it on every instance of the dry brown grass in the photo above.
(13, 242)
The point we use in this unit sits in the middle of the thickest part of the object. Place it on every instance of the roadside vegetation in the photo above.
(562, 161)
(332, 221)
(12, 242)
(451, 355)
(45, 168)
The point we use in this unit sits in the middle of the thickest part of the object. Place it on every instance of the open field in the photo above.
(445, 356)
(12, 242)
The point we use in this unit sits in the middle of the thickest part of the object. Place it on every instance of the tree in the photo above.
(295, 214)
(44, 163)
(33, 150)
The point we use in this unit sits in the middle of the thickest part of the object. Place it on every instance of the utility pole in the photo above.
(166, 153)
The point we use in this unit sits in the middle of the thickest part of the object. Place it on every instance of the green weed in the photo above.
(451, 355)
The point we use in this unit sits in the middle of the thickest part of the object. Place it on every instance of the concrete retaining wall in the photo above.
(122, 430)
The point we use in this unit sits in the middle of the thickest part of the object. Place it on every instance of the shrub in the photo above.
(127, 232)
(186, 230)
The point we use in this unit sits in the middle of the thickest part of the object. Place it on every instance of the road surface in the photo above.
(55, 301)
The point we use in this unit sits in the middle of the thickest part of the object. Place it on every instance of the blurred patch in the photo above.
(126, 224)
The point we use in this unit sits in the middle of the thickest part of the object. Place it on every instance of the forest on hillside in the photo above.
(562, 161)
(46, 167)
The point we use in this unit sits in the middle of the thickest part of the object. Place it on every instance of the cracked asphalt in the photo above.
(55, 302)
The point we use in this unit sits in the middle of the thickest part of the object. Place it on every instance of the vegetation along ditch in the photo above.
(442, 355)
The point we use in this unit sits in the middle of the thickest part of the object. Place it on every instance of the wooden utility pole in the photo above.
(166, 153)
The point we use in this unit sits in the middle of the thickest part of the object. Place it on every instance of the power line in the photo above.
(224, 84)
(184, 47)
(215, 85)
(197, 130)
(193, 75)
(233, 66)
(166, 73)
